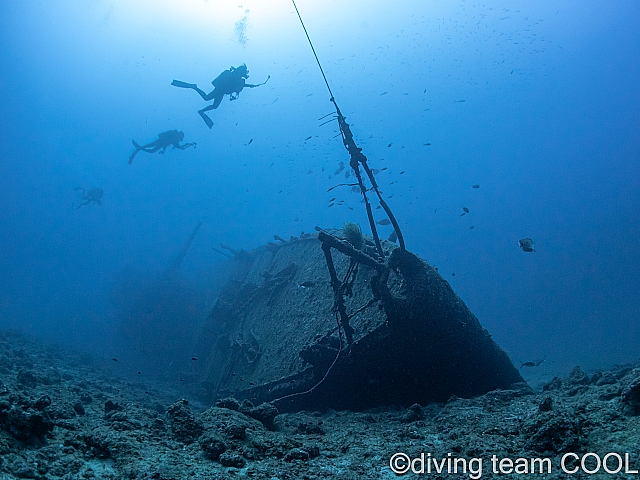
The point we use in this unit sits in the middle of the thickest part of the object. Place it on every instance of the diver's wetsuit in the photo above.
(94, 195)
(230, 82)
(165, 139)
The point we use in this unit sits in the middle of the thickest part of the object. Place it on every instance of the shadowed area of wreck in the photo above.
(414, 340)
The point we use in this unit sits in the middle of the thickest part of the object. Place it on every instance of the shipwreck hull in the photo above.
(273, 333)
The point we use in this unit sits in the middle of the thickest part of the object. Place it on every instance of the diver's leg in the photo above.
(193, 86)
(217, 101)
(151, 147)
(210, 95)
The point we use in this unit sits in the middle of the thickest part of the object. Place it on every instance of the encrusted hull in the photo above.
(273, 333)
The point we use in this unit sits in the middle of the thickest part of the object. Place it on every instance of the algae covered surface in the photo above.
(66, 415)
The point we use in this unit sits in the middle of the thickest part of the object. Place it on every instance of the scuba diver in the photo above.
(94, 195)
(165, 139)
(230, 82)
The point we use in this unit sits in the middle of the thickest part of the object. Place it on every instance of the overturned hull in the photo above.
(274, 334)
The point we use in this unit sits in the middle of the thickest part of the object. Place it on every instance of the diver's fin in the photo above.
(133, 155)
(178, 83)
(206, 119)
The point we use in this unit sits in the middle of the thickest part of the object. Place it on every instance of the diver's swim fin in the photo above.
(132, 156)
(138, 148)
(206, 119)
(178, 83)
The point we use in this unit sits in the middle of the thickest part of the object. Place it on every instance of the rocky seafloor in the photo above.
(62, 415)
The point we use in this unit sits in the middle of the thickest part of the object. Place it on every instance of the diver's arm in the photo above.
(253, 86)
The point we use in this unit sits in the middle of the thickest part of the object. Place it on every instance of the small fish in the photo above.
(384, 221)
(475, 186)
(194, 358)
(466, 210)
(114, 359)
(382, 169)
(402, 172)
(459, 101)
(383, 93)
(526, 244)
(308, 138)
(453, 274)
(139, 373)
(308, 284)
(389, 145)
(471, 227)
(250, 142)
(393, 237)
(427, 144)
(330, 205)
(332, 199)
(279, 238)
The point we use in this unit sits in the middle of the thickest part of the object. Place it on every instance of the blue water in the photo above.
(549, 128)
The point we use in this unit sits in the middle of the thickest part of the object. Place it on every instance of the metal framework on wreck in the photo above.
(340, 288)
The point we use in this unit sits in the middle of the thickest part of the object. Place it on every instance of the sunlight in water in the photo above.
(187, 13)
